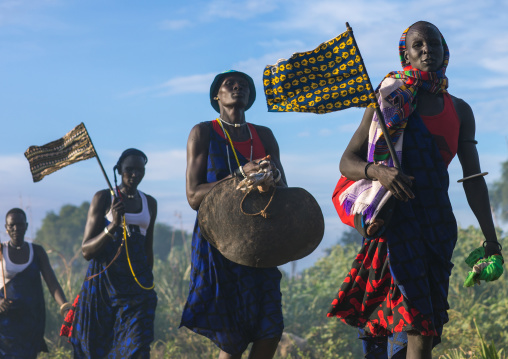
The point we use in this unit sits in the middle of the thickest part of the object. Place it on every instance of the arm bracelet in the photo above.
(65, 307)
(473, 176)
(500, 247)
(108, 233)
(279, 175)
(239, 173)
(365, 170)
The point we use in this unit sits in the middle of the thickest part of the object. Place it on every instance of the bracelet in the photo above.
(473, 176)
(108, 233)
(496, 242)
(239, 173)
(64, 307)
(279, 175)
(242, 172)
(365, 170)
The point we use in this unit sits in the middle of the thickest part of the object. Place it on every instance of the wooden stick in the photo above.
(373, 100)
(3, 272)
(113, 193)
(100, 164)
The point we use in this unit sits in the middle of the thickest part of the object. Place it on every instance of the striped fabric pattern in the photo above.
(404, 97)
(73, 147)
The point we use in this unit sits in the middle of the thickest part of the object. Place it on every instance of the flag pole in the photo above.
(3, 272)
(100, 164)
(113, 193)
(373, 100)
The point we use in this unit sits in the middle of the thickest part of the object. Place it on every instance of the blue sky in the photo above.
(138, 75)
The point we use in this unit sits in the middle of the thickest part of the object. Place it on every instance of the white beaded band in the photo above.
(473, 176)
(242, 172)
(108, 232)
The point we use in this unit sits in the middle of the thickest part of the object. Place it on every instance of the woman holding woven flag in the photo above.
(113, 316)
(396, 291)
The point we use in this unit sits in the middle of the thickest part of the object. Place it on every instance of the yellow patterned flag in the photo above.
(73, 147)
(331, 77)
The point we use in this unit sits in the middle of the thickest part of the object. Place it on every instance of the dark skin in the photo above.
(425, 52)
(94, 239)
(16, 226)
(233, 96)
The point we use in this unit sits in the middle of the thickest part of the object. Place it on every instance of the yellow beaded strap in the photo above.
(230, 142)
(128, 258)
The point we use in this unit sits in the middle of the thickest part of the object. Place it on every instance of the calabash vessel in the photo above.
(261, 229)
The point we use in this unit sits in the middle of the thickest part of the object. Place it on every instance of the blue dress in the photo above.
(114, 316)
(229, 303)
(22, 326)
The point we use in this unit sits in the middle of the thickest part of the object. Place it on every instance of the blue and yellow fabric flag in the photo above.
(329, 78)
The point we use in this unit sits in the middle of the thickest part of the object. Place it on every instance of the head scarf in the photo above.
(404, 98)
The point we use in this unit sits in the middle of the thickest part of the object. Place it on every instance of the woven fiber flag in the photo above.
(73, 147)
(331, 77)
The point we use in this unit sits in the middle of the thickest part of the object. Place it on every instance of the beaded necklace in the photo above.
(226, 134)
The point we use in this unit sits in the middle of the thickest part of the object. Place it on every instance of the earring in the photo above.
(216, 98)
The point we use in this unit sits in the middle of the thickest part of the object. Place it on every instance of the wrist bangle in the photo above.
(365, 170)
(279, 175)
(473, 176)
(65, 307)
(108, 233)
(242, 172)
(500, 247)
(239, 173)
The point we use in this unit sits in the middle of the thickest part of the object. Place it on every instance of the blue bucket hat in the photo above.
(217, 82)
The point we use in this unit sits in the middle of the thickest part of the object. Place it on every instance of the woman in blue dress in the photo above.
(115, 312)
(22, 309)
(231, 304)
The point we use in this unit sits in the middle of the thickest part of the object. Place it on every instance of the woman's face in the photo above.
(234, 91)
(132, 170)
(16, 226)
(424, 49)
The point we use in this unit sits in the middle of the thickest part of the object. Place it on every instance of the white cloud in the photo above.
(497, 64)
(199, 83)
(325, 132)
(166, 165)
(27, 13)
(175, 24)
(231, 9)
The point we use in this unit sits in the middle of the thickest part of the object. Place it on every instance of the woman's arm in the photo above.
(476, 189)
(354, 161)
(49, 275)
(197, 161)
(95, 237)
(152, 206)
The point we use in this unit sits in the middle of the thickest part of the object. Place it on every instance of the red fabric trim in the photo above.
(445, 126)
(66, 329)
(258, 150)
(342, 185)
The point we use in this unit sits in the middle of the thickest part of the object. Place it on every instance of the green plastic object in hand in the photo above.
(475, 256)
(488, 269)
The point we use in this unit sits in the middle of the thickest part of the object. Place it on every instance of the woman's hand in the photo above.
(117, 210)
(258, 164)
(264, 164)
(394, 181)
(4, 305)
